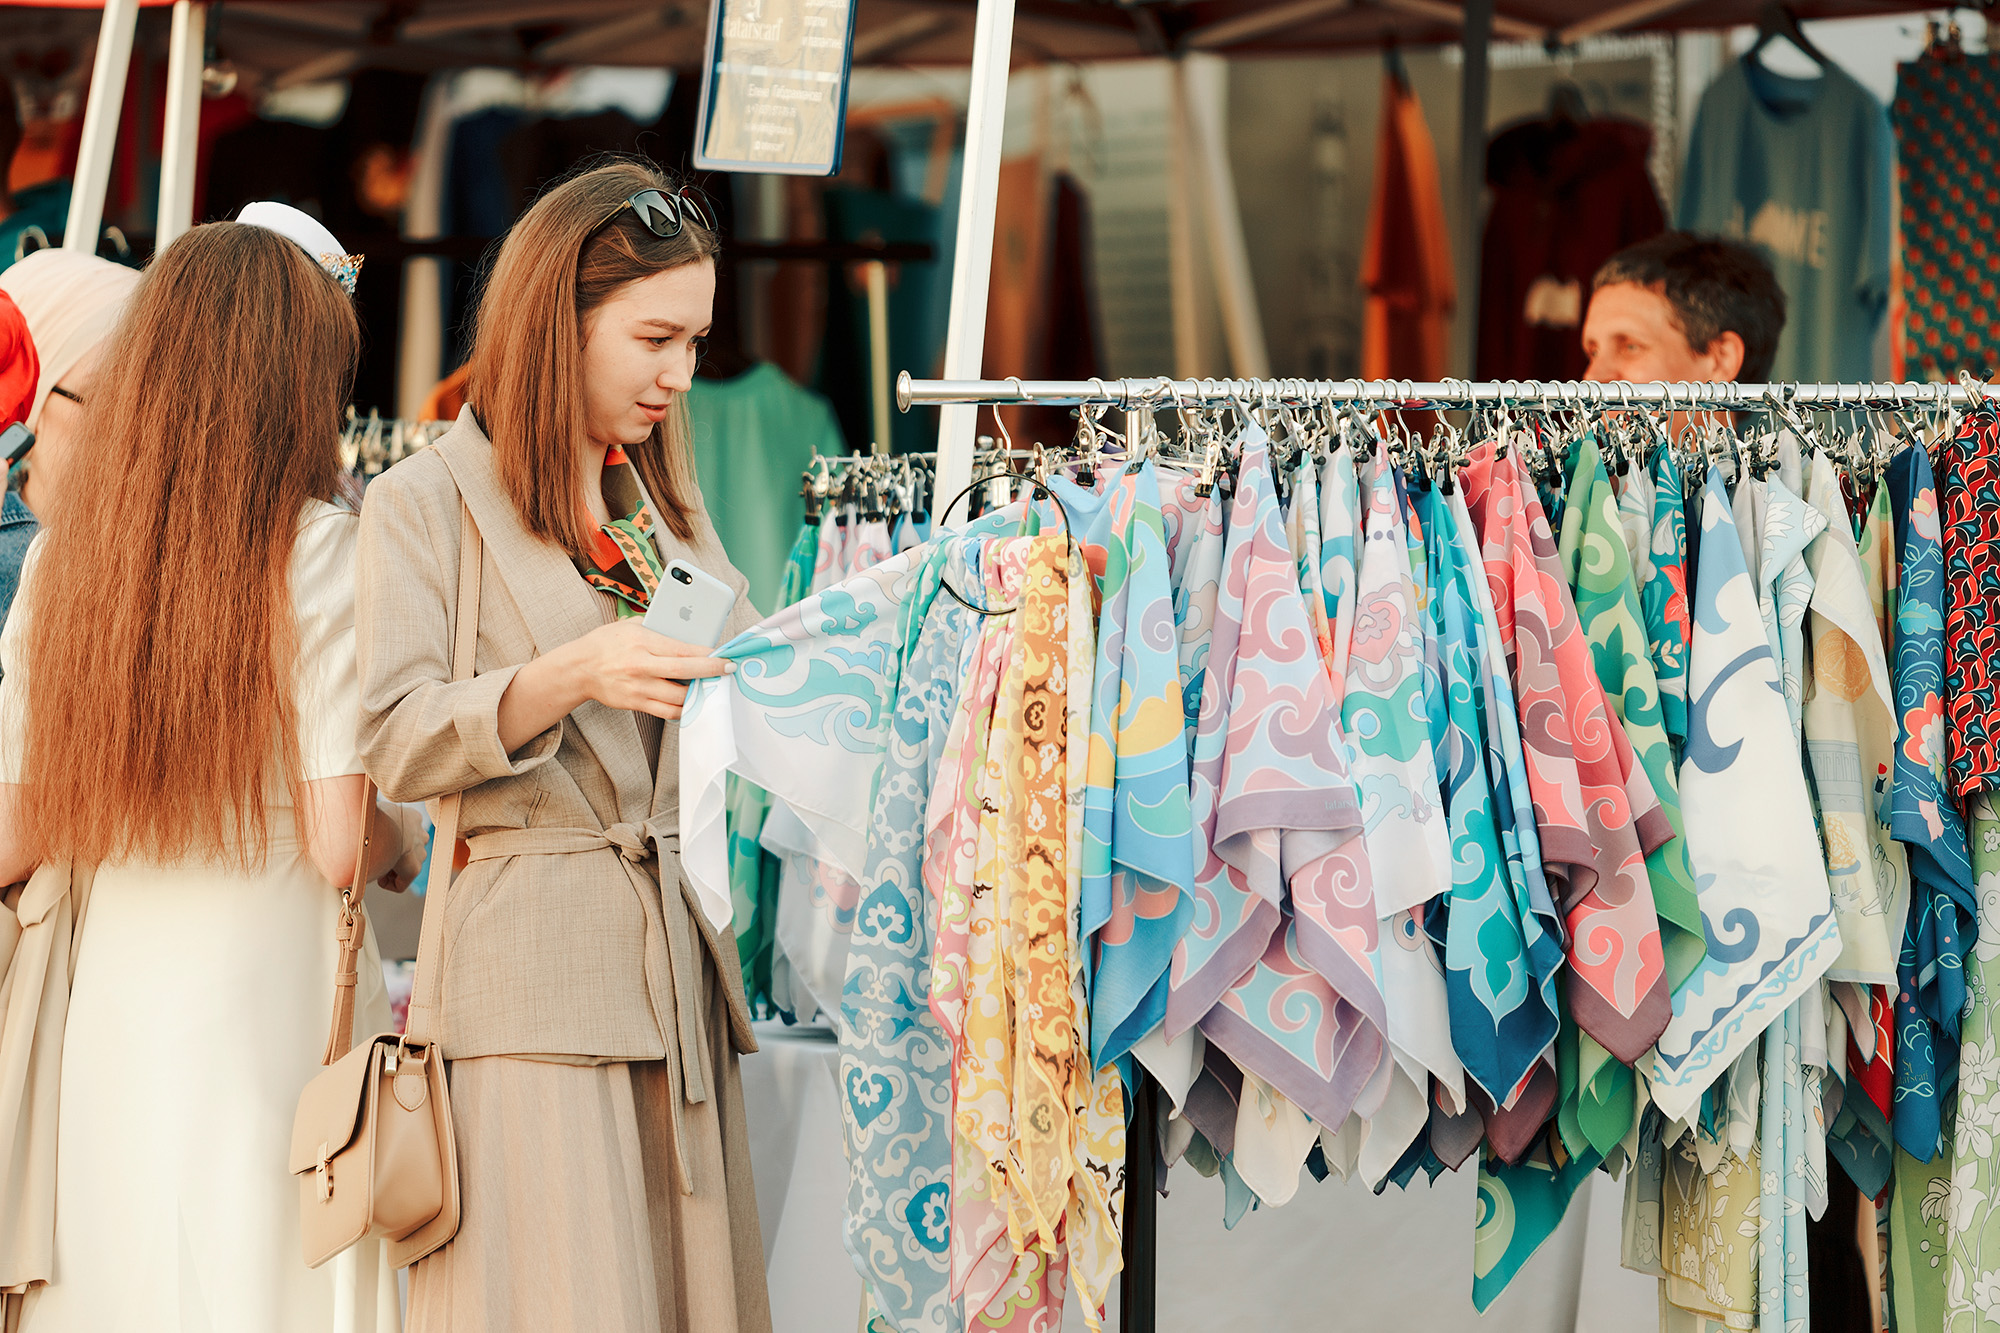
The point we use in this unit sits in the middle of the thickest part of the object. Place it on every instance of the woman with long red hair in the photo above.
(591, 1014)
(178, 710)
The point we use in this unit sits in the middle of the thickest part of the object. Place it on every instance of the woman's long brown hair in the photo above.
(162, 660)
(562, 260)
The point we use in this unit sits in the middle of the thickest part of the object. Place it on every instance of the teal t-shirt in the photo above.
(753, 436)
(45, 206)
(1801, 167)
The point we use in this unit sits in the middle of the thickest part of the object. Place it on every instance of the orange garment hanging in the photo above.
(1406, 265)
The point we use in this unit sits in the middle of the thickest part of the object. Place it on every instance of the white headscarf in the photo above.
(309, 234)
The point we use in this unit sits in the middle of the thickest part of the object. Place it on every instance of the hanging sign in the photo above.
(774, 92)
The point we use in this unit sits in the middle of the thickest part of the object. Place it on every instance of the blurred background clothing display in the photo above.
(1406, 267)
(1567, 193)
(1801, 167)
(754, 434)
(1947, 118)
(1260, 189)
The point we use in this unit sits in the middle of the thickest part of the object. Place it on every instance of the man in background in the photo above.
(1684, 307)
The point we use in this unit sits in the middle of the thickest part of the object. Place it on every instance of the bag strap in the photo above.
(444, 842)
(349, 931)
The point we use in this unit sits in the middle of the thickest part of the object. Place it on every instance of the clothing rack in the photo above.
(1138, 1288)
(1441, 395)
(371, 445)
(890, 484)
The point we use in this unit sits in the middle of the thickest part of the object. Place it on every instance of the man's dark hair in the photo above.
(1714, 286)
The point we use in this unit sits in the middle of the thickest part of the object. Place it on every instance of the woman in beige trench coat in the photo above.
(590, 1014)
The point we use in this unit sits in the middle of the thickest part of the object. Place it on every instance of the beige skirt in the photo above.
(573, 1213)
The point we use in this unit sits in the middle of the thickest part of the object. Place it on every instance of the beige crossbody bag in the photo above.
(372, 1143)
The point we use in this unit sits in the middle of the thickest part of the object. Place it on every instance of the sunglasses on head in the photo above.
(663, 214)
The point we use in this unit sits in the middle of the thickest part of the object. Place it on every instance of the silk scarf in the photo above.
(1385, 720)
(1972, 1218)
(1597, 815)
(1850, 738)
(1501, 958)
(1930, 969)
(1293, 1001)
(1663, 596)
(1137, 827)
(1767, 913)
(1970, 492)
(1599, 1108)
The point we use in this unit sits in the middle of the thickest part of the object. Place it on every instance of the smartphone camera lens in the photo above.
(682, 576)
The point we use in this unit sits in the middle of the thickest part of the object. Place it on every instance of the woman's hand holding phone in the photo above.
(625, 665)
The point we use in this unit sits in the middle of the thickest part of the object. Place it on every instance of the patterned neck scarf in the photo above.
(624, 558)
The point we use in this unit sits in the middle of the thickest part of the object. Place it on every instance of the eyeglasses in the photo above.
(61, 392)
(662, 213)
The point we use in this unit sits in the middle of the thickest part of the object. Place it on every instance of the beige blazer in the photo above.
(41, 925)
(559, 942)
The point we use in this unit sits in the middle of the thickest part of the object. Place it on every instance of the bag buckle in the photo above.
(323, 1176)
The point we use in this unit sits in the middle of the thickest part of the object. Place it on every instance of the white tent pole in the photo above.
(180, 140)
(1183, 276)
(1236, 289)
(100, 125)
(422, 335)
(972, 257)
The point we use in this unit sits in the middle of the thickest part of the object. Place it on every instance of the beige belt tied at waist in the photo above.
(634, 844)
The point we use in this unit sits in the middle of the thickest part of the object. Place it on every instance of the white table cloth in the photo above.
(1334, 1257)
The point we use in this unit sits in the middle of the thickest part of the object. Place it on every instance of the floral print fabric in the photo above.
(1972, 1218)
(1931, 967)
(1850, 739)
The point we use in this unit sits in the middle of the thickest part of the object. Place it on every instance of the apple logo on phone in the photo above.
(687, 613)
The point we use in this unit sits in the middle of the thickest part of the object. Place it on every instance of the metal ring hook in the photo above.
(1069, 534)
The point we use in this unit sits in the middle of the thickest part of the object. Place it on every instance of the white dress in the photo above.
(199, 1009)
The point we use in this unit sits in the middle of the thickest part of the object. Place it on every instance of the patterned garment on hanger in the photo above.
(1664, 599)
(1850, 739)
(1274, 810)
(1600, 816)
(1931, 969)
(1944, 118)
(1970, 489)
(838, 656)
(1501, 958)
(1972, 1233)
(1339, 569)
(1302, 527)
(830, 552)
(1766, 909)
(1137, 849)
(1612, 613)
(871, 545)
(1790, 1115)
(755, 875)
(1784, 583)
(1000, 1210)
(1595, 560)
(1385, 721)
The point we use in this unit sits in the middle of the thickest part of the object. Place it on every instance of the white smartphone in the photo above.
(690, 605)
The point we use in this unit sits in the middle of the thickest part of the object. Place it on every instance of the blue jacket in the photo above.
(17, 529)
